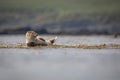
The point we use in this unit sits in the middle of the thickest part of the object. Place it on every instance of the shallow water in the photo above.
(60, 63)
(65, 40)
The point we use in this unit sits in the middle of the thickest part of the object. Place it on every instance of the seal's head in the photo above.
(31, 38)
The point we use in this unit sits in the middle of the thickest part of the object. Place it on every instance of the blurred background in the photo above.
(71, 17)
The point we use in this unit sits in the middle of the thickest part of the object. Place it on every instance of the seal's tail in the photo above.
(52, 40)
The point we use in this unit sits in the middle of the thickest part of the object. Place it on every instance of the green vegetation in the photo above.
(60, 16)
(63, 6)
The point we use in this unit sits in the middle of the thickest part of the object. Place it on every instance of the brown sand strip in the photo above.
(103, 46)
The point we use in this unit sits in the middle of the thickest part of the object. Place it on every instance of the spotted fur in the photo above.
(34, 39)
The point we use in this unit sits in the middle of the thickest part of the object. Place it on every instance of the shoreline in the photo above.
(102, 46)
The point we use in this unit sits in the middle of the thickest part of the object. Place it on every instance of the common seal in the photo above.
(34, 39)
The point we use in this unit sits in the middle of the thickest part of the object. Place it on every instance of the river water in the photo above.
(60, 63)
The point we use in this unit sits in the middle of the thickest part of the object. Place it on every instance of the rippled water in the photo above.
(60, 63)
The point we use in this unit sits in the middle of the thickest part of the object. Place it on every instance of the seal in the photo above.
(34, 39)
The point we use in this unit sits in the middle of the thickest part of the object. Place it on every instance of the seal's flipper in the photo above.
(51, 41)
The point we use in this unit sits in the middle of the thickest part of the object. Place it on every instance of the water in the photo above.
(60, 63)
(64, 40)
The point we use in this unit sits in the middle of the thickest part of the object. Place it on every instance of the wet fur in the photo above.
(34, 39)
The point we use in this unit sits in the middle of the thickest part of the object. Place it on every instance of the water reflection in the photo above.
(59, 64)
